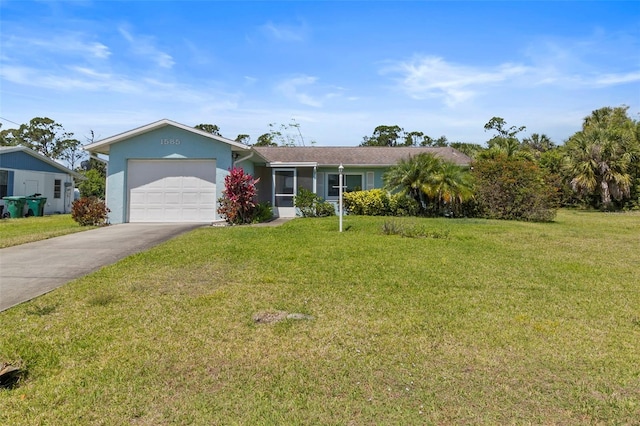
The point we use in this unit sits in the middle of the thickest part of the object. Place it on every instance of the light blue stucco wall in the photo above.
(164, 143)
(247, 165)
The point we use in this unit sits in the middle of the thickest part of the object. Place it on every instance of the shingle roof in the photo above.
(355, 156)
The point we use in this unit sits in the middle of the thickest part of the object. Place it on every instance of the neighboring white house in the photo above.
(24, 172)
(169, 172)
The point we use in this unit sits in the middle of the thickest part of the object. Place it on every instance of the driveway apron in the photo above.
(30, 270)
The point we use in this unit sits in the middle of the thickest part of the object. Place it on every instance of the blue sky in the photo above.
(339, 69)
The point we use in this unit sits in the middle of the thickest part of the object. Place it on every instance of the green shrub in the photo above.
(89, 211)
(374, 202)
(94, 185)
(263, 212)
(378, 202)
(325, 208)
(513, 188)
(311, 205)
(401, 205)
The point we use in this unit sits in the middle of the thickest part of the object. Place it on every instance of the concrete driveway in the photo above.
(29, 270)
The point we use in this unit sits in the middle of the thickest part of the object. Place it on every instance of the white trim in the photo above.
(314, 176)
(278, 164)
(371, 183)
(283, 211)
(102, 146)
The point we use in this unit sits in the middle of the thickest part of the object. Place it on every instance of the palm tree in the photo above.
(426, 179)
(510, 147)
(598, 163)
(450, 185)
(539, 143)
(410, 176)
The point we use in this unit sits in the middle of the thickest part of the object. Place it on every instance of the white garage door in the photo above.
(171, 190)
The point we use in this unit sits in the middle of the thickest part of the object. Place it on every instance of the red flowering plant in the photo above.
(238, 204)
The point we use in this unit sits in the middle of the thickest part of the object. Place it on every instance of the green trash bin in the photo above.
(15, 205)
(35, 204)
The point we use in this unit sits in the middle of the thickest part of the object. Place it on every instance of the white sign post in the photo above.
(340, 170)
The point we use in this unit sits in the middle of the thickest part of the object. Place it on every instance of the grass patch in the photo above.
(500, 322)
(411, 228)
(29, 229)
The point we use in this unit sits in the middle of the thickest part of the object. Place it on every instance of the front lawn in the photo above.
(484, 322)
(29, 229)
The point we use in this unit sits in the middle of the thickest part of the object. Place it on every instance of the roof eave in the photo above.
(44, 159)
(292, 164)
(102, 146)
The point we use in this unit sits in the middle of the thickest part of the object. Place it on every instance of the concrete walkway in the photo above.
(30, 270)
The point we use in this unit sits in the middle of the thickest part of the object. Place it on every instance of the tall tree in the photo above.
(538, 142)
(265, 139)
(385, 136)
(242, 138)
(441, 141)
(470, 149)
(95, 172)
(413, 138)
(43, 135)
(283, 135)
(209, 128)
(429, 141)
(602, 157)
(505, 141)
(500, 126)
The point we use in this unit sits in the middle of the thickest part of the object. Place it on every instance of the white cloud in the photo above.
(595, 61)
(69, 79)
(431, 76)
(292, 89)
(283, 32)
(145, 47)
(615, 79)
(69, 43)
(80, 79)
(304, 89)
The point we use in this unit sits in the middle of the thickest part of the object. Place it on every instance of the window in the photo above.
(4, 183)
(351, 183)
(57, 188)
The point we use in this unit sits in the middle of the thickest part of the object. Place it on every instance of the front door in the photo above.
(284, 190)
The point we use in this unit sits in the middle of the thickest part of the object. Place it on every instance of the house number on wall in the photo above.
(166, 141)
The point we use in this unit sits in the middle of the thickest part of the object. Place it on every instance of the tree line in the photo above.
(598, 166)
(516, 177)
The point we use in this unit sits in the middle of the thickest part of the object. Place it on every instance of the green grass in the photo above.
(499, 322)
(29, 229)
